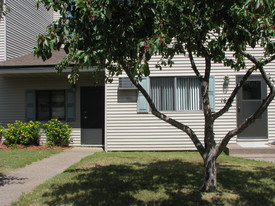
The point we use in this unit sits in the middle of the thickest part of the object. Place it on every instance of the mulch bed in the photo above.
(32, 147)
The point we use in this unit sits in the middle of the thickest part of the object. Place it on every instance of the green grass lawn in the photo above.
(16, 158)
(155, 178)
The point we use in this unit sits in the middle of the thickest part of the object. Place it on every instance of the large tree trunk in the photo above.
(210, 172)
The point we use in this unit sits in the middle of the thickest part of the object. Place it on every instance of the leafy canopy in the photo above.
(124, 34)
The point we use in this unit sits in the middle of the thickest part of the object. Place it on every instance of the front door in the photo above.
(92, 115)
(249, 99)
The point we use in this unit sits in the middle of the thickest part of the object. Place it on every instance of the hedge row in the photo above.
(29, 133)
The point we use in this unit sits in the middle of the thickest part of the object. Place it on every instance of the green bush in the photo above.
(26, 133)
(57, 133)
(2, 129)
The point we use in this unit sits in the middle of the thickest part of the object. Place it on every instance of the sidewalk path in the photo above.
(261, 157)
(23, 180)
(266, 152)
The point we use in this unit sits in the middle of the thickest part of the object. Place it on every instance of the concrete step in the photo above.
(235, 149)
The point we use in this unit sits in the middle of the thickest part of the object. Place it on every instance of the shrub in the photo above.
(26, 133)
(57, 133)
(2, 129)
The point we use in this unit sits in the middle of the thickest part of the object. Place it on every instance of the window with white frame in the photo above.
(176, 93)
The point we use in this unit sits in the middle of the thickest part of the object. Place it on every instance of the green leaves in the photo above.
(144, 69)
(57, 133)
(110, 32)
(26, 133)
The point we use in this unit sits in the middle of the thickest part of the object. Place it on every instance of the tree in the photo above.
(123, 35)
(3, 10)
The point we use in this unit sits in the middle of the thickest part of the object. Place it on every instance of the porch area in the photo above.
(252, 150)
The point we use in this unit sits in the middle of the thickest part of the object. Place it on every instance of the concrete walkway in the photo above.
(261, 157)
(256, 153)
(23, 180)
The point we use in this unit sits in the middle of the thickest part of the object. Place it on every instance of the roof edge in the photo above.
(28, 66)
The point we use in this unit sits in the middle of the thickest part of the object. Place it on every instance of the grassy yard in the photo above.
(155, 178)
(16, 158)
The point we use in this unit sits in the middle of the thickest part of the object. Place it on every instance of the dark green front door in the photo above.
(92, 115)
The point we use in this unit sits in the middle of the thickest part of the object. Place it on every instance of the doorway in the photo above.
(92, 115)
(249, 99)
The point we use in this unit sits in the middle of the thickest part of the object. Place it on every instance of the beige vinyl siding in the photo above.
(13, 88)
(23, 23)
(127, 130)
(271, 123)
(3, 39)
(56, 15)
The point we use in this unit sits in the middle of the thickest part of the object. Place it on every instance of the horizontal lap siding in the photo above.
(271, 109)
(75, 137)
(23, 23)
(270, 71)
(127, 130)
(271, 123)
(56, 15)
(2, 39)
(13, 91)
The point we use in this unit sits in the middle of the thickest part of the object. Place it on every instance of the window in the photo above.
(50, 105)
(252, 90)
(47, 104)
(176, 93)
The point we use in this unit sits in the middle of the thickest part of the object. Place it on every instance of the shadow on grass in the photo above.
(166, 183)
(255, 187)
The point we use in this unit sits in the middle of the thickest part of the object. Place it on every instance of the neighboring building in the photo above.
(30, 89)
(116, 116)
(19, 28)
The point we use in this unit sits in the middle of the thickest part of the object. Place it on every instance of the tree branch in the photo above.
(246, 123)
(233, 95)
(259, 111)
(169, 120)
(260, 65)
(270, 59)
(207, 57)
(207, 68)
(209, 140)
(192, 61)
(245, 77)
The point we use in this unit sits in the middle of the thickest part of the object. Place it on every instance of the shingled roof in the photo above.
(31, 60)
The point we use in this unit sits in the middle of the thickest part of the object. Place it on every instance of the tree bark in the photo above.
(210, 172)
